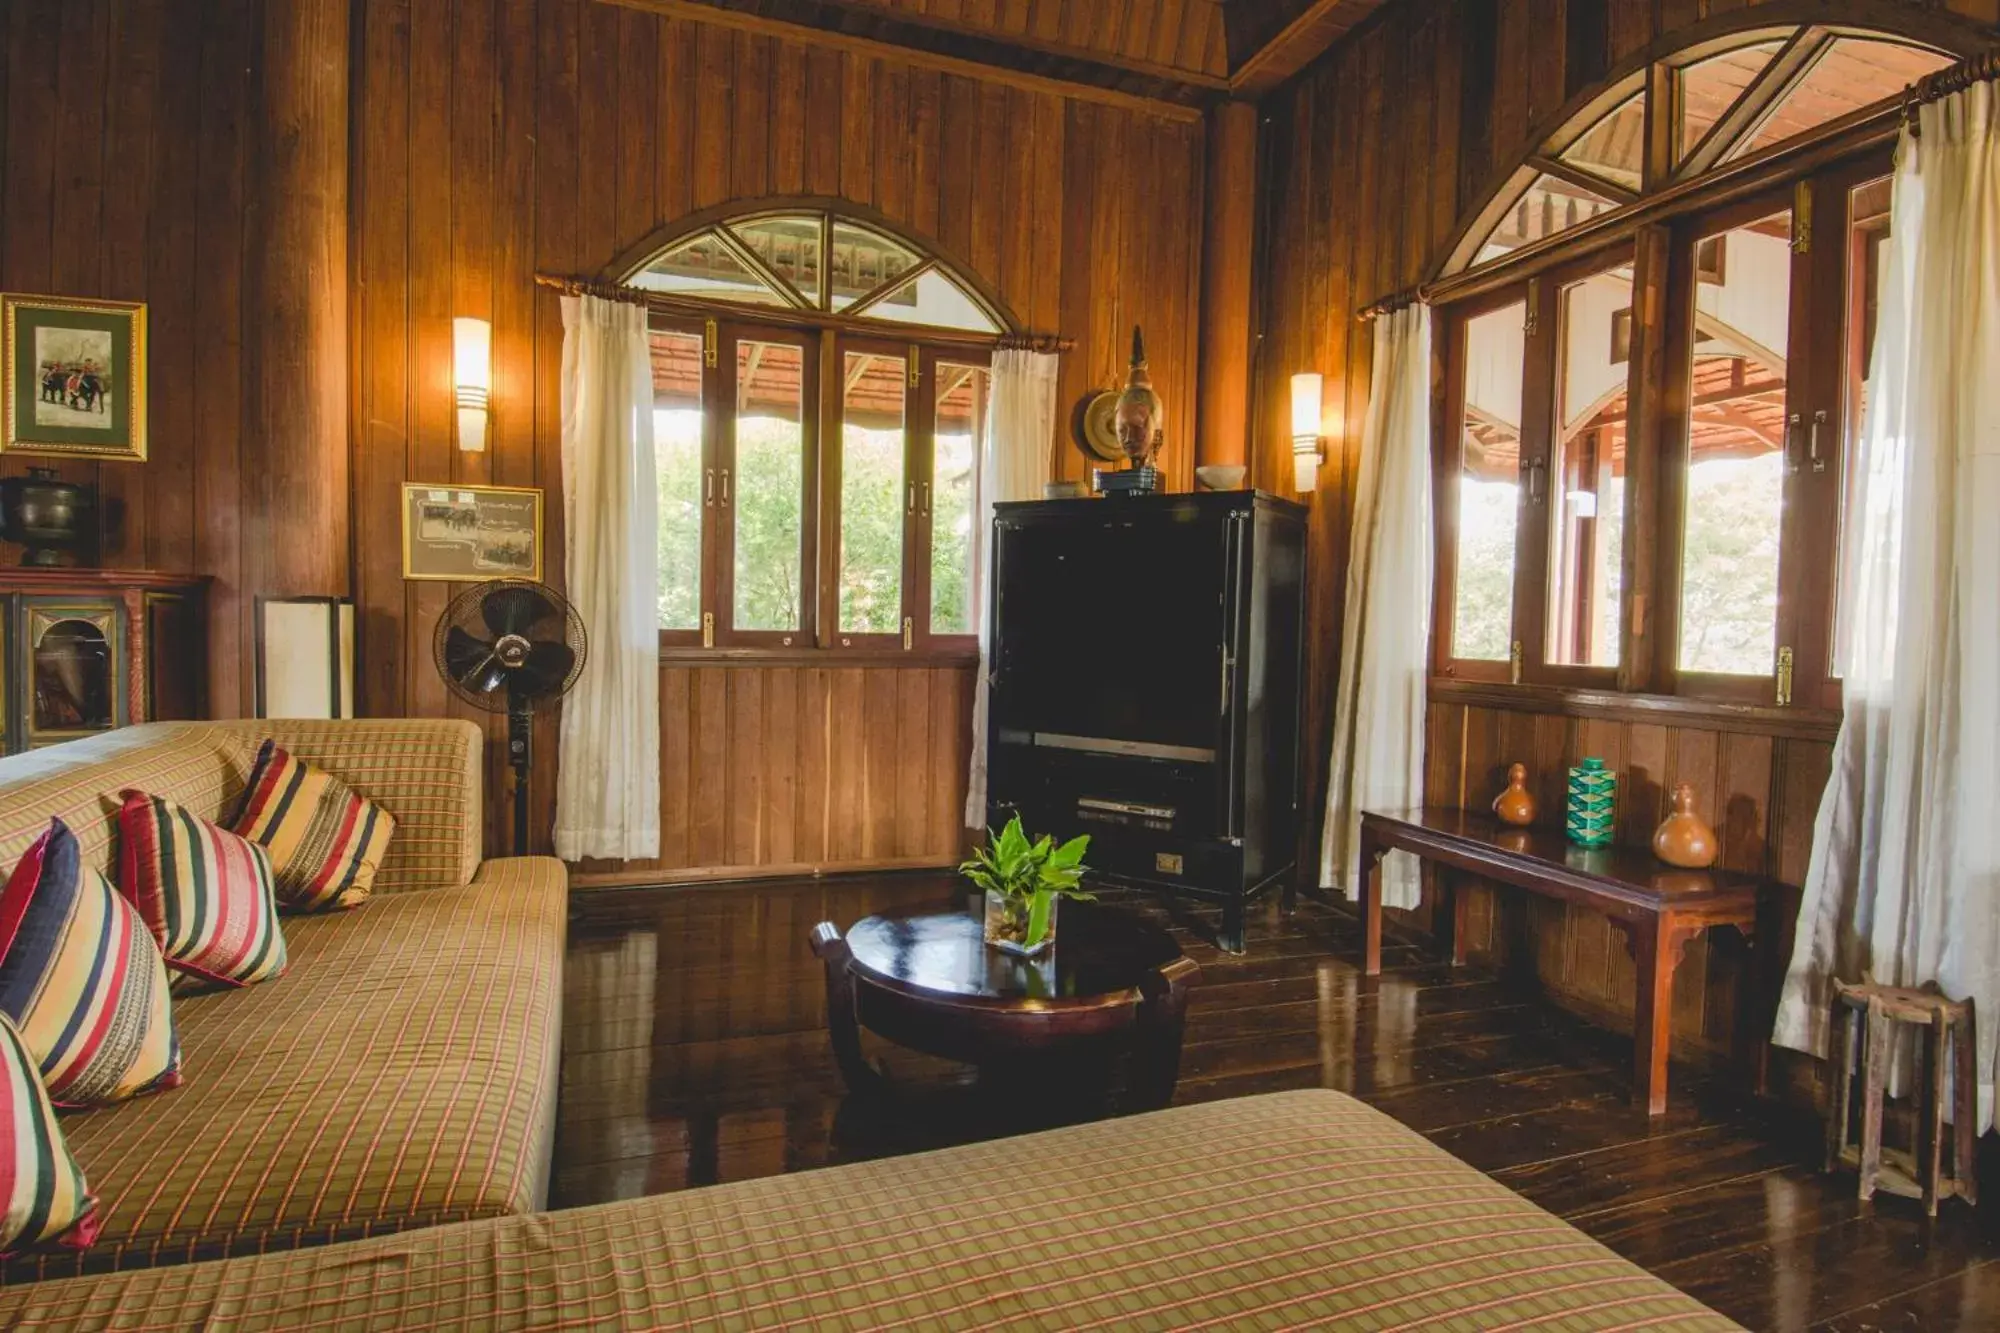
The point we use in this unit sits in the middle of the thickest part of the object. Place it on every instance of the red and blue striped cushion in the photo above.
(326, 843)
(43, 1196)
(206, 893)
(82, 979)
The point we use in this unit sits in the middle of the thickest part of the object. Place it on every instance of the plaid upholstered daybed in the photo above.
(401, 1074)
(1302, 1209)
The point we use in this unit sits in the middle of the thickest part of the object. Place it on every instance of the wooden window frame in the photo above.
(1820, 375)
(819, 538)
(1448, 453)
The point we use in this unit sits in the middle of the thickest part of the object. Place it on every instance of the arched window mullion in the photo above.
(1771, 86)
(1587, 180)
(753, 261)
(890, 288)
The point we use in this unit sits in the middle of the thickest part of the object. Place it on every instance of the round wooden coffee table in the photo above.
(927, 980)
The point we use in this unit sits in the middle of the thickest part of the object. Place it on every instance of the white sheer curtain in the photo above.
(1904, 880)
(608, 789)
(1013, 465)
(1378, 716)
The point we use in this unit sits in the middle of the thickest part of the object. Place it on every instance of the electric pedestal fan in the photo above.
(511, 646)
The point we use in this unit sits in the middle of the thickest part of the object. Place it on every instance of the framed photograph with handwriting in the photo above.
(464, 534)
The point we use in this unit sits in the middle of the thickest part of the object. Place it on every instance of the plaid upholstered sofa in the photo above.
(401, 1074)
(1294, 1210)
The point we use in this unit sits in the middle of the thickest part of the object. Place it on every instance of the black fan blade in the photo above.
(543, 674)
(472, 663)
(515, 610)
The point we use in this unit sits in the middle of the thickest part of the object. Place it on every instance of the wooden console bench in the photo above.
(1657, 907)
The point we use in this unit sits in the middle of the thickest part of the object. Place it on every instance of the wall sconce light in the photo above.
(472, 361)
(1307, 390)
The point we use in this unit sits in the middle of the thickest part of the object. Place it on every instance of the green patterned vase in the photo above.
(1593, 801)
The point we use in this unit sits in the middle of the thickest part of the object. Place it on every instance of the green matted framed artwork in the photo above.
(462, 534)
(75, 380)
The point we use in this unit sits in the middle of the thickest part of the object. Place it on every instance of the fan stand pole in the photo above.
(520, 731)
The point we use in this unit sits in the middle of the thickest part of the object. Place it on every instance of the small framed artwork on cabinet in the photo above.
(75, 382)
(465, 534)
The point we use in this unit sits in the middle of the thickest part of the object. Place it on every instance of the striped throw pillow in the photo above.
(43, 1197)
(206, 894)
(325, 842)
(82, 979)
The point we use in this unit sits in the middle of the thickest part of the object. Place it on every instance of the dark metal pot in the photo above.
(45, 514)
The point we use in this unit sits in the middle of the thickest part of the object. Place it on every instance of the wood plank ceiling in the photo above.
(1189, 52)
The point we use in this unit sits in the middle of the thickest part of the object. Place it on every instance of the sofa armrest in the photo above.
(429, 773)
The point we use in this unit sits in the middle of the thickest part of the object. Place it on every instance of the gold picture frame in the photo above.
(468, 534)
(75, 377)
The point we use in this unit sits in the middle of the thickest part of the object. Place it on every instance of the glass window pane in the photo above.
(1615, 147)
(1549, 206)
(864, 260)
(871, 494)
(677, 459)
(702, 266)
(936, 300)
(768, 503)
(1489, 487)
(1854, 73)
(1867, 250)
(1734, 501)
(961, 431)
(1708, 88)
(1587, 471)
(789, 246)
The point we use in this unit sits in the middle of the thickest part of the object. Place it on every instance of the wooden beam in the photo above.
(1222, 429)
(891, 36)
(1301, 42)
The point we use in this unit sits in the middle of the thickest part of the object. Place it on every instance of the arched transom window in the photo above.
(1657, 334)
(820, 402)
(818, 261)
(1723, 102)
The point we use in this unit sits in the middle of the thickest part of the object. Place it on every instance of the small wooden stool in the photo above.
(1918, 1175)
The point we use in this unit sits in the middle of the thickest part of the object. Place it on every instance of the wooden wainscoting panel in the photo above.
(768, 769)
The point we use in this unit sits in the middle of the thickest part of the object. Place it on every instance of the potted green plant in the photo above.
(1023, 881)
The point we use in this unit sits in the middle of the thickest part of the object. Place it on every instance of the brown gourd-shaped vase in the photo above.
(1683, 839)
(1516, 805)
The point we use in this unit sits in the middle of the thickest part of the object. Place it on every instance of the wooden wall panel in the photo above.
(124, 165)
(1371, 157)
(495, 139)
(805, 769)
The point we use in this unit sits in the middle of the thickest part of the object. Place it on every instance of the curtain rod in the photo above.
(1390, 304)
(1982, 68)
(612, 291)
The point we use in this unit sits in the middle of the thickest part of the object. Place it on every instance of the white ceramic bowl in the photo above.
(1217, 478)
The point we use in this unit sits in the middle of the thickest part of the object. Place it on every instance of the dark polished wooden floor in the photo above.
(695, 1052)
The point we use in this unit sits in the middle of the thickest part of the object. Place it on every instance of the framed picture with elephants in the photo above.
(463, 534)
(75, 382)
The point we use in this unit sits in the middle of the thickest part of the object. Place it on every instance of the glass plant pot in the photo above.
(1010, 923)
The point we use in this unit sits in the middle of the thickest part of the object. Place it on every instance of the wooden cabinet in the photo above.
(86, 650)
(1144, 684)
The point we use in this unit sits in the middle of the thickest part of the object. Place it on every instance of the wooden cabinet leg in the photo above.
(842, 1023)
(1156, 1048)
(1455, 901)
(1656, 949)
(1366, 873)
(1843, 1037)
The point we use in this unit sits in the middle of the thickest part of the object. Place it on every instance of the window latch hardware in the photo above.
(708, 629)
(1784, 677)
(711, 344)
(725, 488)
(909, 633)
(1812, 442)
(1514, 656)
(708, 491)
